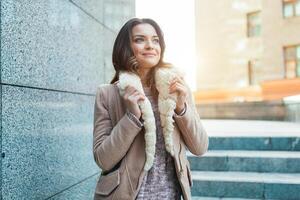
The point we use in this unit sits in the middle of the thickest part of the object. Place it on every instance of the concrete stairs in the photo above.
(262, 161)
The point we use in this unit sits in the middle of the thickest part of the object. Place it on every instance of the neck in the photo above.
(144, 74)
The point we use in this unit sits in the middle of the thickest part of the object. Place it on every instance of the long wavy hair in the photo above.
(123, 57)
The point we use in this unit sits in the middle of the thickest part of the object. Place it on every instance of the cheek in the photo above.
(158, 49)
(159, 52)
(136, 49)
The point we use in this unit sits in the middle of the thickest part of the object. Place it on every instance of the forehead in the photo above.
(144, 29)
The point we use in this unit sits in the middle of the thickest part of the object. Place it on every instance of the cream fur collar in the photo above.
(166, 106)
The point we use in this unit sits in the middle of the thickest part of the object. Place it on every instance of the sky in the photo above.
(177, 21)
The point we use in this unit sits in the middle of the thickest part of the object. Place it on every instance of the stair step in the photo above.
(251, 128)
(246, 185)
(252, 135)
(283, 178)
(239, 160)
(255, 143)
(216, 198)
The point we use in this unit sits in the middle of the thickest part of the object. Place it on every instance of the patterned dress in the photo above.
(161, 181)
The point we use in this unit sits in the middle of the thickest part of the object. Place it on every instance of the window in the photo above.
(254, 71)
(292, 61)
(291, 8)
(253, 24)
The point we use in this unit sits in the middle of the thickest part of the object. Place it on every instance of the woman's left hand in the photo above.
(177, 85)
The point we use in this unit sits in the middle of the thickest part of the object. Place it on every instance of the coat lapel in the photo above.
(166, 106)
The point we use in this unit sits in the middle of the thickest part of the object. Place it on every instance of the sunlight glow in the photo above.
(177, 20)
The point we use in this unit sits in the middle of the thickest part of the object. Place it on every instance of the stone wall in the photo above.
(54, 53)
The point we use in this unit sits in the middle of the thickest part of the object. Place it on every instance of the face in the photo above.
(145, 45)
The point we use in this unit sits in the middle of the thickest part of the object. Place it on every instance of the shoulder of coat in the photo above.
(108, 89)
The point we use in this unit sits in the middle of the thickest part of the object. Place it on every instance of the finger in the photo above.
(179, 79)
(132, 95)
(176, 80)
(174, 86)
(135, 93)
(182, 90)
(177, 83)
(128, 92)
(172, 80)
(140, 99)
(139, 95)
(129, 89)
(136, 96)
(178, 88)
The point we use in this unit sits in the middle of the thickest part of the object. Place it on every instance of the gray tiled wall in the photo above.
(54, 53)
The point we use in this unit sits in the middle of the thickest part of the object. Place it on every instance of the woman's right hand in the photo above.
(132, 97)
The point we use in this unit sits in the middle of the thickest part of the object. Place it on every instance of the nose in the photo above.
(149, 45)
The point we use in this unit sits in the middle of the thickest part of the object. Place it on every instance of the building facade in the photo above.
(242, 43)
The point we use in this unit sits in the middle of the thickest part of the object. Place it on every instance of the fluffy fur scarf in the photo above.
(166, 106)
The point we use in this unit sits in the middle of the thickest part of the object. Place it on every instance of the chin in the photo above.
(148, 64)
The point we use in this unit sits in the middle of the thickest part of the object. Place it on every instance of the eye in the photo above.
(156, 40)
(138, 40)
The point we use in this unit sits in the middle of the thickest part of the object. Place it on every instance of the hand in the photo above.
(177, 85)
(132, 97)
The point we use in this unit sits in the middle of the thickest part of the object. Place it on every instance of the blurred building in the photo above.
(248, 58)
(246, 42)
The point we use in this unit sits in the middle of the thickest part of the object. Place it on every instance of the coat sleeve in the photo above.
(193, 132)
(110, 144)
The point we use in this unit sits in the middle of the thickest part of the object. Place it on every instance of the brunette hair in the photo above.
(123, 58)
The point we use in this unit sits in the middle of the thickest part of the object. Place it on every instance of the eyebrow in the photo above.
(143, 36)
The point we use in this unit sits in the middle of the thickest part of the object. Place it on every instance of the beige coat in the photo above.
(119, 146)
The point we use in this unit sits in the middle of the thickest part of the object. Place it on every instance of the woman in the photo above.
(141, 151)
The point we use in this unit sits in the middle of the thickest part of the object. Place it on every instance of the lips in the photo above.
(149, 54)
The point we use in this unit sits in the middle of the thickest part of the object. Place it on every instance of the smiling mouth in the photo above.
(148, 54)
